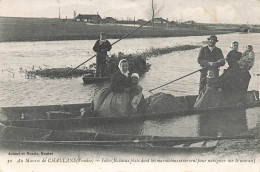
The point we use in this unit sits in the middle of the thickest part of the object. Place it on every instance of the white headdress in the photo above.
(135, 75)
(120, 67)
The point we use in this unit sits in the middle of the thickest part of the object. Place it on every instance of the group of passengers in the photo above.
(124, 95)
(229, 88)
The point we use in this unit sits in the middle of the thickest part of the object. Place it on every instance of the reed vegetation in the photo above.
(137, 63)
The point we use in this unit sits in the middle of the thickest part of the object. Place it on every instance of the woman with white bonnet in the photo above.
(226, 79)
(234, 55)
(233, 82)
(116, 102)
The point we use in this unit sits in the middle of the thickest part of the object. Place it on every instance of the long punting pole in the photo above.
(112, 44)
(175, 80)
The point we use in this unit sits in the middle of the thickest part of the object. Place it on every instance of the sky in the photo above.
(203, 11)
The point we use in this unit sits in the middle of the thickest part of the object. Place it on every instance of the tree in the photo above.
(153, 11)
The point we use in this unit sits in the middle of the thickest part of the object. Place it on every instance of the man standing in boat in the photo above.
(101, 47)
(210, 58)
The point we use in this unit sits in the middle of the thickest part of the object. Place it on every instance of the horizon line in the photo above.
(126, 20)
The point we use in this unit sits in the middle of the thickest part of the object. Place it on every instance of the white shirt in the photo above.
(211, 48)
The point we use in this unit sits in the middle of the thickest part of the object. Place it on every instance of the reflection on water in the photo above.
(18, 91)
(223, 123)
(178, 126)
(162, 127)
(227, 123)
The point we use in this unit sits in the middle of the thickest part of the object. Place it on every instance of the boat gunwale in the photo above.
(139, 147)
(147, 116)
(42, 106)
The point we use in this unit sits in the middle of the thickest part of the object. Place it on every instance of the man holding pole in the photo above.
(108, 48)
(210, 58)
(101, 47)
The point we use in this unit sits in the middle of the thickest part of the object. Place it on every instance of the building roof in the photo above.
(190, 22)
(88, 16)
(110, 18)
(161, 19)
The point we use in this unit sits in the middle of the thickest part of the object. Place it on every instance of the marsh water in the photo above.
(17, 90)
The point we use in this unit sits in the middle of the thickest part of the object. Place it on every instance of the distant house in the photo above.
(109, 20)
(173, 22)
(89, 18)
(191, 22)
(160, 21)
(141, 21)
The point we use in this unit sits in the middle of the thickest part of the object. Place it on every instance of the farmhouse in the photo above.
(89, 18)
(190, 22)
(160, 21)
(109, 20)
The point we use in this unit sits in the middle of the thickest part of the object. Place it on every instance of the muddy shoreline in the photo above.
(242, 148)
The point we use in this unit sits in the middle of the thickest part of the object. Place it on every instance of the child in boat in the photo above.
(136, 95)
(248, 58)
(209, 95)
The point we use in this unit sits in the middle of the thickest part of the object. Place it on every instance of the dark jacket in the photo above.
(119, 82)
(233, 57)
(101, 56)
(234, 79)
(205, 56)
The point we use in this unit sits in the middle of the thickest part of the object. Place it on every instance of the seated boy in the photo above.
(136, 95)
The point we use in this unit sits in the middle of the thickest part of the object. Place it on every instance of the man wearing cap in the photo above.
(210, 58)
(101, 47)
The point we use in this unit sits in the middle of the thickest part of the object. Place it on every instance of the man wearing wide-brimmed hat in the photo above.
(210, 57)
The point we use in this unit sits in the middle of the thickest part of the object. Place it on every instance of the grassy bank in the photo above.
(41, 29)
(137, 63)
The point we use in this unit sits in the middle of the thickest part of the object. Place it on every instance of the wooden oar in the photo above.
(111, 44)
(176, 79)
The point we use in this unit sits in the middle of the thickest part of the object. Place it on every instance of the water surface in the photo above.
(16, 90)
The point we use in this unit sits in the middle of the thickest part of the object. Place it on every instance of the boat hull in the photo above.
(19, 137)
(19, 145)
(38, 115)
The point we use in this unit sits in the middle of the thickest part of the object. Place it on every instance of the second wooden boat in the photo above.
(19, 137)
